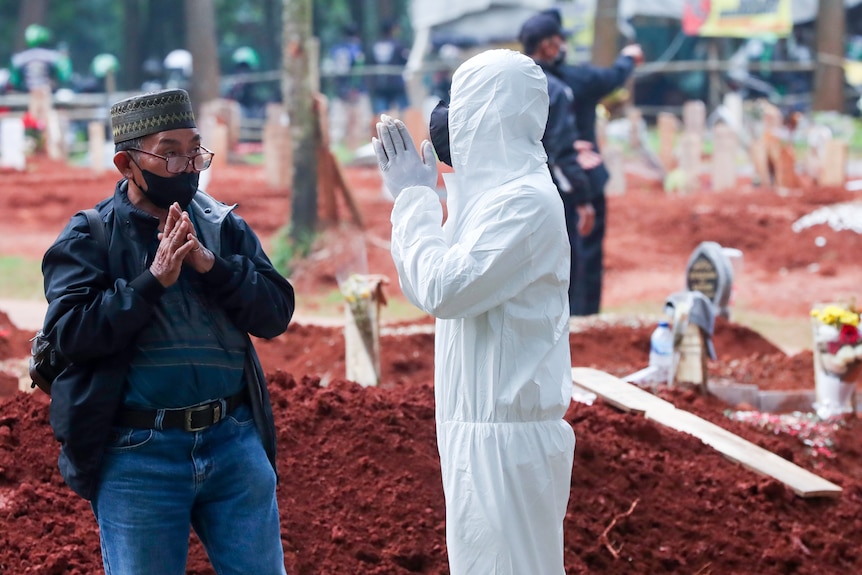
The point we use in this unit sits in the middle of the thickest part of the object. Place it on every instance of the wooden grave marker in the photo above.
(690, 161)
(724, 151)
(833, 167)
(668, 126)
(694, 117)
(96, 145)
(277, 152)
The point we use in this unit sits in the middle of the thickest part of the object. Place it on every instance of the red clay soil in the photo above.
(360, 487)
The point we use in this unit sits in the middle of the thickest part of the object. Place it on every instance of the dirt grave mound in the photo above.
(360, 487)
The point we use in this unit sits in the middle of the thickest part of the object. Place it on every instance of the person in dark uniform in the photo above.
(589, 85)
(387, 89)
(542, 39)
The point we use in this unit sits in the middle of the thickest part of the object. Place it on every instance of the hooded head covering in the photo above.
(497, 116)
(151, 113)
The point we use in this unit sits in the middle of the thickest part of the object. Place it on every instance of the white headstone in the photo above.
(612, 155)
(668, 126)
(691, 144)
(96, 140)
(833, 169)
(12, 144)
(724, 151)
(277, 152)
(364, 294)
(733, 105)
(55, 139)
(694, 116)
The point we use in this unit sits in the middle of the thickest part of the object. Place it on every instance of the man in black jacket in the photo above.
(589, 85)
(542, 39)
(163, 415)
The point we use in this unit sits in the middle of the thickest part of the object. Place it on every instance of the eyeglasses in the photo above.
(179, 163)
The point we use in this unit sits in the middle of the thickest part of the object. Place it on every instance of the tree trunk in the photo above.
(29, 12)
(201, 42)
(132, 53)
(605, 32)
(829, 73)
(298, 98)
(273, 31)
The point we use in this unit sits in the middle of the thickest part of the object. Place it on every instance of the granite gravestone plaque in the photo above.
(709, 271)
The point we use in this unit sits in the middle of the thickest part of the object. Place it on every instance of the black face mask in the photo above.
(163, 191)
(439, 129)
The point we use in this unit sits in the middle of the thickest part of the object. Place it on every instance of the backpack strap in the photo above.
(45, 363)
(97, 227)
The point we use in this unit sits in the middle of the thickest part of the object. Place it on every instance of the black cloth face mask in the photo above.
(439, 129)
(163, 191)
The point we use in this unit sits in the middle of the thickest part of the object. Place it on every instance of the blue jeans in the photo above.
(155, 484)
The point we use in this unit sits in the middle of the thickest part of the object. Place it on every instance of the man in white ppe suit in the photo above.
(495, 276)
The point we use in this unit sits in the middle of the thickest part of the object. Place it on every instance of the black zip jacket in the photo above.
(589, 85)
(559, 142)
(98, 302)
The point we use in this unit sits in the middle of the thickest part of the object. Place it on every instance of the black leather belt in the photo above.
(195, 418)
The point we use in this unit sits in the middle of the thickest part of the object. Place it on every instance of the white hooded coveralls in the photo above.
(496, 276)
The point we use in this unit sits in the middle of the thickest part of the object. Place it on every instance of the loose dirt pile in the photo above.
(360, 489)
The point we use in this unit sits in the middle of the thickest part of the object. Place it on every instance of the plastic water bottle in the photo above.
(661, 351)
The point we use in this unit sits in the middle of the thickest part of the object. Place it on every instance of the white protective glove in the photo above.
(400, 164)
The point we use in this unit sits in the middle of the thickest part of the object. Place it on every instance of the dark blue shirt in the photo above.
(191, 351)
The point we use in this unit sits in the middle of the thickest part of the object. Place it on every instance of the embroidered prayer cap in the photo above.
(151, 113)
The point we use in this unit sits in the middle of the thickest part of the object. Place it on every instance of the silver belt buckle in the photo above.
(216, 409)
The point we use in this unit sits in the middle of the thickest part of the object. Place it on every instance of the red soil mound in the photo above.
(360, 490)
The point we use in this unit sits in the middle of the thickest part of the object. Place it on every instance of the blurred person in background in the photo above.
(590, 84)
(345, 62)
(542, 40)
(346, 58)
(244, 90)
(178, 67)
(494, 276)
(387, 89)
(39, 65)
(102, 67)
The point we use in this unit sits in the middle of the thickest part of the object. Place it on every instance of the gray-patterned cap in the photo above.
(151, 113)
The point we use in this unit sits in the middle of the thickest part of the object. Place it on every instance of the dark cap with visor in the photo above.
(538, 28)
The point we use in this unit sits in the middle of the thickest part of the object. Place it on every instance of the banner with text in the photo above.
(737, 18)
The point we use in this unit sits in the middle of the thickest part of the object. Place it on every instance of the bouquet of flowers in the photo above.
(34, 133)
(838, 340)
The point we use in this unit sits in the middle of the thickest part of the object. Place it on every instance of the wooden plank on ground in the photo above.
(629, 397)
(626, 397)
(751, 456)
